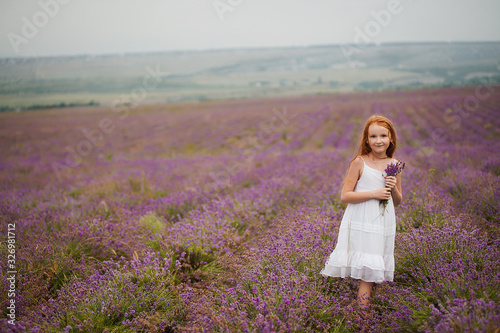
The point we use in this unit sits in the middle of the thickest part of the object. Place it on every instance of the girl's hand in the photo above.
(382, 194)
(390, 182)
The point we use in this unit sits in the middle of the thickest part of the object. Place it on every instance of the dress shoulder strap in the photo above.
(362, 158)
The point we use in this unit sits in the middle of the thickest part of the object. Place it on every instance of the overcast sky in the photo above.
(62, 27)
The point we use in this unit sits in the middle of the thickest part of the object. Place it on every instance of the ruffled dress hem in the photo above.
(365, 273)
(358, 265)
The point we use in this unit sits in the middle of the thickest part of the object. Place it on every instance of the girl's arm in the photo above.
(349, 196)
(397, 193)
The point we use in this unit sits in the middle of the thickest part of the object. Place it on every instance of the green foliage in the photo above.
(152, 222)
(176, 212)
(92, 248)
(54, 266)
(76, 192)
(137, 184)
(129, 302)
(239, 225)
(155, 229)
(160, 194)
(284, 136)
(58, 273)
(196, 263)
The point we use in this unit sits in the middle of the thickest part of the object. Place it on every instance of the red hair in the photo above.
(364, 147)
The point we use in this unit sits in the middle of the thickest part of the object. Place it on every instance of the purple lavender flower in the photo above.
(392, 170)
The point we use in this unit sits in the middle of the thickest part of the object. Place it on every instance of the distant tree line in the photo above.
(4, 108)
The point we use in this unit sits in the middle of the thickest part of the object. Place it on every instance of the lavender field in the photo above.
(219, 216)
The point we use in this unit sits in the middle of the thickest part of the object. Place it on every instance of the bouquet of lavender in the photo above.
(392, 170)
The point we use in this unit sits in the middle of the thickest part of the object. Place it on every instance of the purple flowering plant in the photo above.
(96, 245)
(392, 170)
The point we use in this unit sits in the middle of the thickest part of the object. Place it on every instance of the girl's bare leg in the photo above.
(364, 293)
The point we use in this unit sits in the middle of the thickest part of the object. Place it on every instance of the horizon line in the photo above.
(128, 53)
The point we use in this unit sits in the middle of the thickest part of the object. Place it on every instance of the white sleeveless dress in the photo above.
(365, 244)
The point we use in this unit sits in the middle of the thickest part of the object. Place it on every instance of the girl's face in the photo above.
(378, 138)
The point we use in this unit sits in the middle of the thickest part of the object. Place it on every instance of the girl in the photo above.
(365, 244)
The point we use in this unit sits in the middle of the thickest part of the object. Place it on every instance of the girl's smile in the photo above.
(378, 140)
